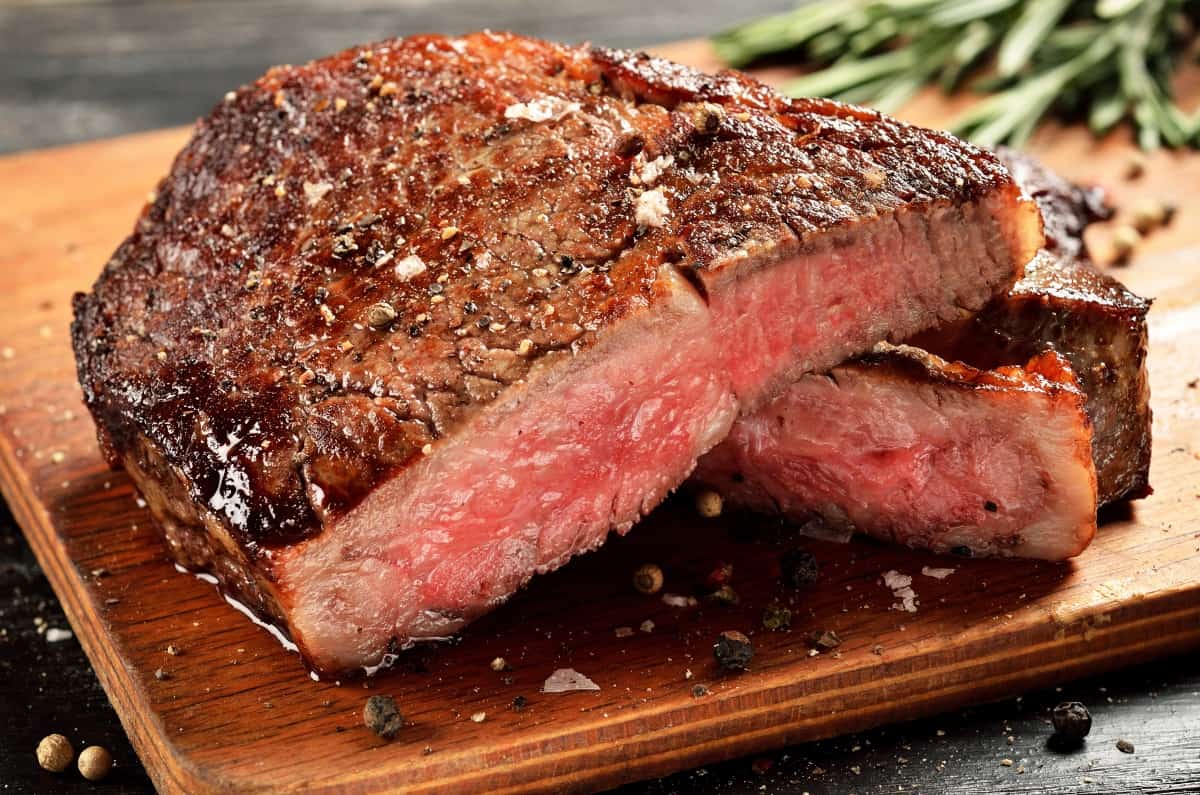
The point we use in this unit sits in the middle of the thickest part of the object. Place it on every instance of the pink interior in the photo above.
(998, 472)
(595, 442)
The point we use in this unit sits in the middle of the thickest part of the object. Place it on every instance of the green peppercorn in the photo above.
(776, 617)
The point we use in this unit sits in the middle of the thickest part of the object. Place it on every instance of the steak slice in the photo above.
(907, 447)
(918, 445)
(407, 325)
(1065, 303)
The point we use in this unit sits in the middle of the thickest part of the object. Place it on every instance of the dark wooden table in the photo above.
(71, 71)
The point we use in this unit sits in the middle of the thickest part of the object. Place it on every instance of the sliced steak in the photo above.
(407, 325)
(910, 448)
(1065, 303)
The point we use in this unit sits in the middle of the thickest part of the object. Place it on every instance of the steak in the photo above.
(1065, 303)
(407, 325)
(907, 447)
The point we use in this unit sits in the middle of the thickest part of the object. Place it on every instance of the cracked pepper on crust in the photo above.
(408, 324)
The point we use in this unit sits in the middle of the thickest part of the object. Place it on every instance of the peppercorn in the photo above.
(1135, 167)
(54, 753)
(1072, 722)
(798, 568)
(733, 650)
(1125, 747)
(1125, 239)
(380, 315)
(709, 504)
(724, 595)
(776, 617)
(95, 762)
(519, 703)
(1148, 215)
(721, 575)
(381, 716)
(648, 579)
(699, 691)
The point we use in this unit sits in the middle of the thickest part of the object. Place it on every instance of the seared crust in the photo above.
(490, 186)
(1046, 372)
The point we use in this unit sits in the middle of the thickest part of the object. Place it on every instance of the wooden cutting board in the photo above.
(235, 712)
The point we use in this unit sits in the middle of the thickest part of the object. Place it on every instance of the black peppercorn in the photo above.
(798, 568)
(519, 703)
(733, 651)
(1072, 722)
(381, 716)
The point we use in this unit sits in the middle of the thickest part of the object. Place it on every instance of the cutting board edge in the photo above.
(173, 771)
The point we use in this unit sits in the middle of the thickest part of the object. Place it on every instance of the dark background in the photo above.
(72, 71)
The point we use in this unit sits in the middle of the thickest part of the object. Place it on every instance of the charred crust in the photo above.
(416, 173)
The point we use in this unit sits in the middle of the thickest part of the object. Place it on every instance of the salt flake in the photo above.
(410, 266)
(675, 600)
(937, 574)
(652, 209)
(544, 109)
(568, 680)
(315, 191)
(654, 169)
(901, 587)
(55, 635)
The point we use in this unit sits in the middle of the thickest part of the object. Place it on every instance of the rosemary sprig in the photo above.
(1106, 61)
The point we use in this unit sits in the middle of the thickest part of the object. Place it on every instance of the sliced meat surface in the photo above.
(910, 448)
(1066, 304)
(407, 325)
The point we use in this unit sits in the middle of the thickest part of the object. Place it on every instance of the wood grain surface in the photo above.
(235, 712)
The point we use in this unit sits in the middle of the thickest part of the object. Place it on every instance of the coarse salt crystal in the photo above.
(901, 587)
(937, 574)
(652, 209)
(315, 191)
(652, 170)
(675, 600)
(410, 266)
(544, 109)
(56, 635)
(568, 680)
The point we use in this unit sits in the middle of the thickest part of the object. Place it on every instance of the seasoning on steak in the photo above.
(407, 325)
(1065, 303)
(905, 446)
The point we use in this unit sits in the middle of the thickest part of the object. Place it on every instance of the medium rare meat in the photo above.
(910, 448)
(407, 325)
(915, 451)
(1064, 303)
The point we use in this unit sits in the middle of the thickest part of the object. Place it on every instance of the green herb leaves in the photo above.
(1101, 60)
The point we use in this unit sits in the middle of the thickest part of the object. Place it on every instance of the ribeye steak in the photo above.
(407, 325)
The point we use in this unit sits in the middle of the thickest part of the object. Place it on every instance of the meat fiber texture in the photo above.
(939, 455)
(1066, 304)
(409, 324)
(910, 448)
